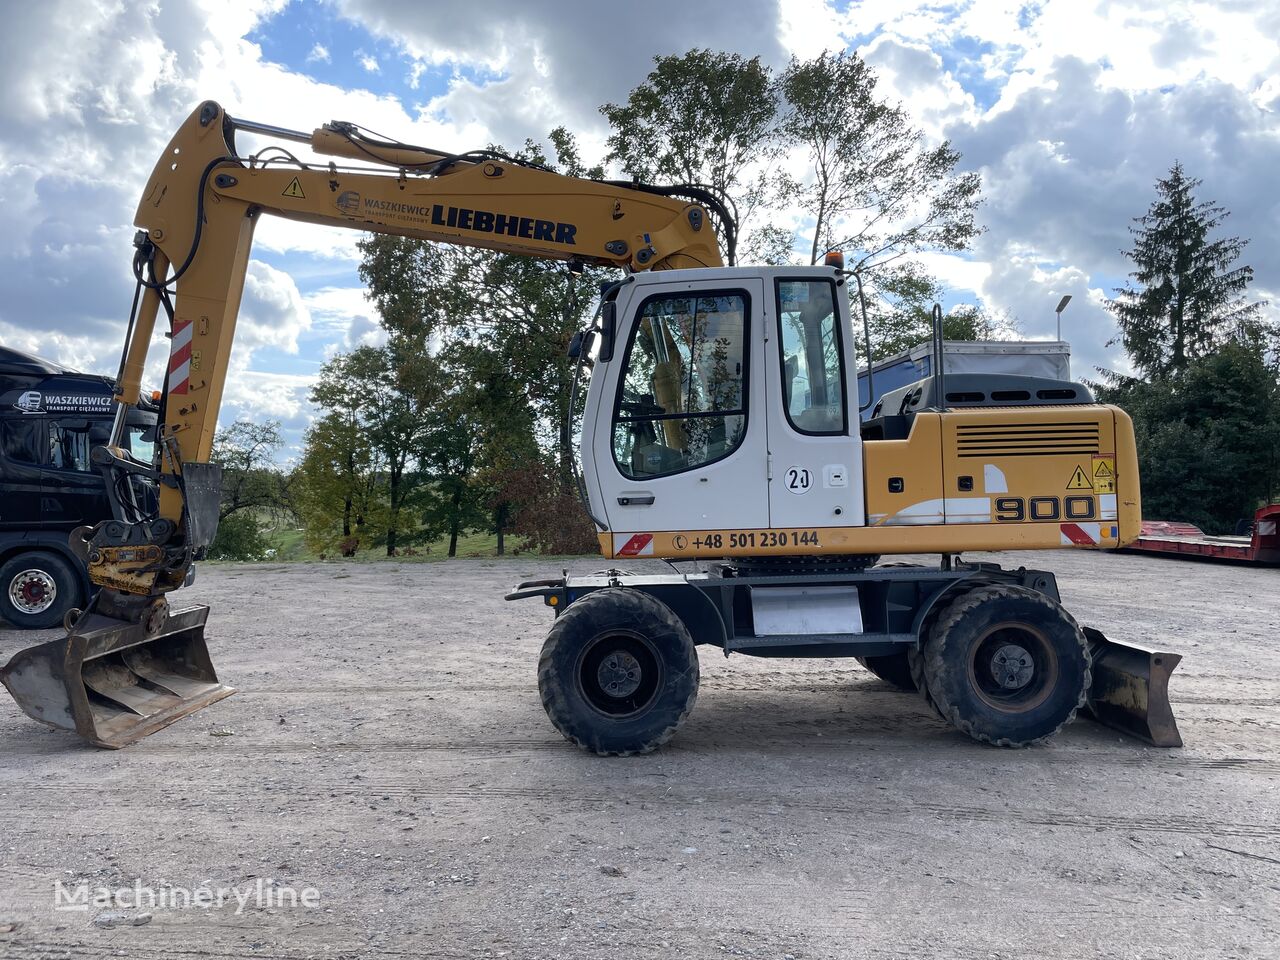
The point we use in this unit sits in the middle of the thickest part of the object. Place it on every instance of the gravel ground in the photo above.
(387, 748)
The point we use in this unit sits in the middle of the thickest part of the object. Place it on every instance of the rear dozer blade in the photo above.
(1131, 689)
(112, 682)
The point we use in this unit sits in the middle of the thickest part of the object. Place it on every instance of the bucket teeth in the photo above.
(1131, 689)
(113, 682)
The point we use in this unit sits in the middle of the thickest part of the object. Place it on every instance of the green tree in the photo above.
(526, 310)
(1188, 296)
(451, 453)
(1208, 439)
(876, 186)
(399, 387)
(251, 481)
(900, 313)
(700, 118)
(338, 477)
(252, 487)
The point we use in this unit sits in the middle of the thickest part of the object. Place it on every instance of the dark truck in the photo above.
(50, 419)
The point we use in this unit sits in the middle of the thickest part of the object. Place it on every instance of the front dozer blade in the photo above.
(1131, 689)
(112, 682)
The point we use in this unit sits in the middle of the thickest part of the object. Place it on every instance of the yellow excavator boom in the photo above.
(127, 667)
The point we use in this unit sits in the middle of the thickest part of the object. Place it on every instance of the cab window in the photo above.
(140, 440)
(813, 392)
(20, 439)
(69, 445)
(682, 400)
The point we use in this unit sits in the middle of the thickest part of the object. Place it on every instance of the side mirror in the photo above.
(608, 330)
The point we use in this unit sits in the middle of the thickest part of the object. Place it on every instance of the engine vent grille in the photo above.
(1026, 439)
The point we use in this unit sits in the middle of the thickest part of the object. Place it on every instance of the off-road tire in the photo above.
(893, 668)
(627, 622)
(957, 650)
(53, 570)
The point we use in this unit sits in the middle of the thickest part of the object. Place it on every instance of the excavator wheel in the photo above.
(1005, 665)
(893, 668)
(618, 672)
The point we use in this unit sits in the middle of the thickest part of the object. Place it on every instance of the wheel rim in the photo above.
(1013, 667)
(32, 591)
(619, 674)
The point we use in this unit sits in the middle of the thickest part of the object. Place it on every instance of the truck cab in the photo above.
(51, 417)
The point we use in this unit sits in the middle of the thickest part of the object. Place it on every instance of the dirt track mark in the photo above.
(636, 794)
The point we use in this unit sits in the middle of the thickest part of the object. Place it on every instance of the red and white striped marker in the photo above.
(180, 357)
(635, 545)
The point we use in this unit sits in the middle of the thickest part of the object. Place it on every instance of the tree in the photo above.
(400, 387)
(1208, 439)
(526, 310)
(250, 479)
(252, 485)
(1188, 298)
(877, 187)
(900, 313)
(700, 118)
(450, 453)
(239, 537)
(338, 475)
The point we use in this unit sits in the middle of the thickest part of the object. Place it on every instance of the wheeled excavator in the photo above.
(721, 433)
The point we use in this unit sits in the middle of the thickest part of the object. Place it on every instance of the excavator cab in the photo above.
(725, 409)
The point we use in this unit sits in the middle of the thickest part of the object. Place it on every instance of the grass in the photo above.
(289, 545)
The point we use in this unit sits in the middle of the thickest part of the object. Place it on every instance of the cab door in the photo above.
(22, 451)
(679, 442)
(815, 451)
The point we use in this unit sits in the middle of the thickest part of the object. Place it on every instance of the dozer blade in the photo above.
(112, 683)
(1131, 689)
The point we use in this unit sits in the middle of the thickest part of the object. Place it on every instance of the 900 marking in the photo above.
(1047, 509)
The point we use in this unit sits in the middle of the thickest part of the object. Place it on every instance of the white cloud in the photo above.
(1069, 110)
(344, 318)
(539, 69)
(368, 62)
(272, 313)
(911, 73)
(259, 395)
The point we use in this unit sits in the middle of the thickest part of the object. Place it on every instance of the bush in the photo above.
(548, 516)
(239, 537)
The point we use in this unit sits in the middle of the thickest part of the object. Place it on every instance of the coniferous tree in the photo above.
(1188, 296)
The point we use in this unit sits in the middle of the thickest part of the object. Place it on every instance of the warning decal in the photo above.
(633, 545)
(294, 189)
(1104, 474)
(1079, 480)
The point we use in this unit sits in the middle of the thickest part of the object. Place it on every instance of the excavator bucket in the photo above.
(1131, 689)
(114, 682)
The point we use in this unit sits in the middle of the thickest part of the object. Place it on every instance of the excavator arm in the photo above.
(127, 666)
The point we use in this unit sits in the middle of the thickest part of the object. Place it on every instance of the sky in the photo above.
(1068, 109)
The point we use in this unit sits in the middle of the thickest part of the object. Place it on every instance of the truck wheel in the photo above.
(892, 668)
(618, 672)
(37, 589)
(1006, 665)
